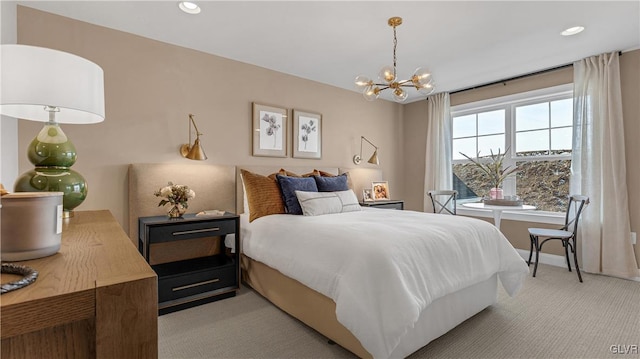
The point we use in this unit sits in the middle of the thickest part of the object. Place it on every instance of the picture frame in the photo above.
(307, 135)
(380, 191)
(269, 130)
(367, 195)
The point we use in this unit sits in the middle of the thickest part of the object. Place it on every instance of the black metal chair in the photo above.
(443, 201)
(567, 234)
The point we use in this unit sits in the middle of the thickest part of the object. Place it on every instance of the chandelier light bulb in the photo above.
(362, 81)
(387, 74)
(371, 93)
(427, 89)
(421, 76)
(400, 95)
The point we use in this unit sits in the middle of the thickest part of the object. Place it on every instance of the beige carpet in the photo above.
(554, 316)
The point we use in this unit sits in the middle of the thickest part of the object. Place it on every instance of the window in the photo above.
(535, 129)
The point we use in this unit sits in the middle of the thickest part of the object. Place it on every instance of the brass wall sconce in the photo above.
(357, 159)
(195, 152)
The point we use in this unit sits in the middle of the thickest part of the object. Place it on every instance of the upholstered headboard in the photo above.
(215, 188)
(361, 178)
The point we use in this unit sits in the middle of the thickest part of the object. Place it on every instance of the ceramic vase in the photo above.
(496, 193)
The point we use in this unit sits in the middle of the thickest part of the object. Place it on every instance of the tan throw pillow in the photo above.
(263, 194)
(310, 174)
(327, 174)
(288, 173)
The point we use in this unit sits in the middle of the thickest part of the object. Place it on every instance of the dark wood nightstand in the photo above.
(205, 276)
(390, 204)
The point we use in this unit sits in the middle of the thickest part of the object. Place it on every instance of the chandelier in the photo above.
(421, 79)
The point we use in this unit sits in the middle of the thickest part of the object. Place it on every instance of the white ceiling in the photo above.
(463, 43)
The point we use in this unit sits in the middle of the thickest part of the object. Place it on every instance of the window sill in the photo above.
(523, 216)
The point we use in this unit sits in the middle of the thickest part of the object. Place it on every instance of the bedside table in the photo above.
(189, 282)
(390, 204)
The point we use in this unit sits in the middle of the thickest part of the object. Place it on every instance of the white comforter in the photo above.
(383, 267)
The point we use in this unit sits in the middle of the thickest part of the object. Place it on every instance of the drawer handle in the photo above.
(195, 285)
(196, 231)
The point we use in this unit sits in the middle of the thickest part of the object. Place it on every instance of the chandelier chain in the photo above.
(395, 44)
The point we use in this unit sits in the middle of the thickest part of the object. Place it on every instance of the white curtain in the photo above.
(598, 167)
(438, 170)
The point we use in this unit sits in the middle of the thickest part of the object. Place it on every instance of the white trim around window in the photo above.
(509, 103)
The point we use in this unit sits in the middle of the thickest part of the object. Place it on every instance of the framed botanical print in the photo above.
(307, 134)
(269, 131)
(380, 191)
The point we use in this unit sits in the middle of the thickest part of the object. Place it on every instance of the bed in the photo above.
(403, 278)
(372, 306)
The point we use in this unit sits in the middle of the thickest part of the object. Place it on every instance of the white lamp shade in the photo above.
(35, 77)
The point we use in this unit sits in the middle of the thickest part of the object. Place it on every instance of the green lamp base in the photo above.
(56, 179)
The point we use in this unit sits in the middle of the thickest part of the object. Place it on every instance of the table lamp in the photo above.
(51, 86)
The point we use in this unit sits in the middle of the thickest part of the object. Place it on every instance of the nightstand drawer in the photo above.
(166, 233)
(184, 285)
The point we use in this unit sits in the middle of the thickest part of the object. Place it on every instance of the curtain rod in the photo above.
(512, 78)
(517, 77)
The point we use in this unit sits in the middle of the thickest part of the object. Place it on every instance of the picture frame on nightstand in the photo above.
(380, 191)
(367, 195)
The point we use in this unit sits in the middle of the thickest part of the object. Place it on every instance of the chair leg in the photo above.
(575, 259)
(565, 244)
(530, 249)
(535, 268)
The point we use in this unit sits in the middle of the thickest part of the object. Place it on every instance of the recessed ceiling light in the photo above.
(572, 31)
(189, 7)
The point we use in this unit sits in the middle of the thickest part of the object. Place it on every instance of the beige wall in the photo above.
(151, 87)
(516, 231)
(414, 147)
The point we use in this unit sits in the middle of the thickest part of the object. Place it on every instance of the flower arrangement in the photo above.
(177, 195)
(493, 167)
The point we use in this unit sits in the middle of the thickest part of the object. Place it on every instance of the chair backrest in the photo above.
(574, 209)
(443, 201)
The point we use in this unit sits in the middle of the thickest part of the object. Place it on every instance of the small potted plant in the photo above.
(492, 167)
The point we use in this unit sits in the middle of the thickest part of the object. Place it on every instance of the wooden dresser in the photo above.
(96, 298)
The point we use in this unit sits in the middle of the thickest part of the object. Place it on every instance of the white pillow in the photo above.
(317, 203)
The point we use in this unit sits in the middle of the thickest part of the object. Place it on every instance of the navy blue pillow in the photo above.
(332, 184)
(289, 186)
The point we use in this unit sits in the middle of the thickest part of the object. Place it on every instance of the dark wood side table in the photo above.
(208, 276)
(390, 204)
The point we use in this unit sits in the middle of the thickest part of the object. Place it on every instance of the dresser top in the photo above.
(94, 252)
